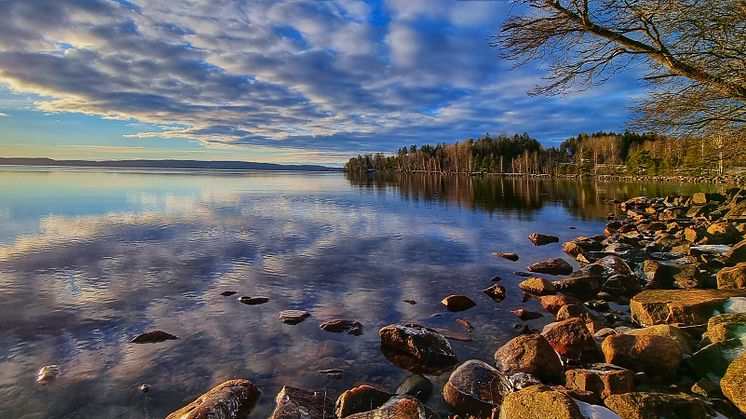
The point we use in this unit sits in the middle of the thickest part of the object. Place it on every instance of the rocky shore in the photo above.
(653, 324)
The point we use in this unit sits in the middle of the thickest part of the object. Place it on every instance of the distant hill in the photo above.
(162, 164)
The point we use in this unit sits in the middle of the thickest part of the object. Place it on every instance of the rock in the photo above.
(153, 336)
(506, 255)
(293, 316)
(420, 343)
(299, 403)
(458, 302)
(581, 245)
(651, 354)
(531, 354)
(465, 324)
(572, 340)
(570, 311)
(526, 314)
(416, 385)
(400, 407)
(475, 388)
(47, 374)
(737, 253)
(144, 388)
(231, 399)
(733, 383)
(684, 340)
(581, 284)
(702, 198)
(362, 398)
(724, 327)
(552, 303)
(688, 307)
(228, 293)
(733, 277)
(679, 273)
(452, 334)
(712, 361)
(602, 379)
(723, 232)
(640, 405)
(496, 292)
(541, 239)
(556, 266)
(350, 327)
(252, 301)
(537, 286)
(539, 402)
(618, 277)
(706, 388)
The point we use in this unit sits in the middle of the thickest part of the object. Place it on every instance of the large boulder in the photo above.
(531, 354)
(419, 342)
(537, 286)
(231, 399)
(572, 340)
(552, 303)
(618, 277)
(539, 402)
(642, 405)
(651, 354)
(475, 388)
(689, 307)
(685, 341)
(733, 383)
(299, 403)
(400, 407)
(362, 398)
(722, 232)
(732, 277)
(602, 379)
(556, 266)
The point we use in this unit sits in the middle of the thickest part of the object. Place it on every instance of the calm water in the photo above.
(90, 258)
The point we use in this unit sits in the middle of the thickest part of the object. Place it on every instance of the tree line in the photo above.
(601, 153)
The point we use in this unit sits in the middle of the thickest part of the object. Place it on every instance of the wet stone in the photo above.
(556, 266)
(458, 302)
(232, 399)
(252, 301)
(475, 388)
(539, 239)
(496, 292)
(416, 385)
(153, 336)
(506, 255)
(351, 327)
(293, 316)
(362, 398)
(296, 403)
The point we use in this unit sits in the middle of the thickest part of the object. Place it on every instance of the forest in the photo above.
(600, 153)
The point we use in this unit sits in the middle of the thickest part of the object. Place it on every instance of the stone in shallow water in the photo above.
(416, 385)
(153, 336)
(252, 301)
(539, 239)
(400, 407)
(362, 398)
(556, 266)
(421, 343)
(458, 302)
(531, 354)
(496, 292)
(476, 388)
(689, 307)
(350, 327)
(526, 314)
(537, 286)
(298, 403)
(293, 316)
(232, 399)
(47, 374)
(506, 255)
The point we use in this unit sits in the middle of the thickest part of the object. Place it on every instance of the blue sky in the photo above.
(275, 81)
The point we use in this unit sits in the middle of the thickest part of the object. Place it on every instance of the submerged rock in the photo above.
(228, 293)
(458, 302)
(153, 336)
(299, 403)
(422, 344)
(643, 405)
(689, 307)
(351, 327)
(233, 399)
(506, 255)
(531, 354)
(293, 316)
(556, 266)
(453, 334)
(496, 292)
(526, 314)
(476, 388)
(651, 354)
(539, 239)
(252, 301)
(362, 398)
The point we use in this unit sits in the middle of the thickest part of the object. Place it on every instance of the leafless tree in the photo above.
(692, 51)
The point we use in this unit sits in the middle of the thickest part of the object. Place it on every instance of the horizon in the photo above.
(291, 82)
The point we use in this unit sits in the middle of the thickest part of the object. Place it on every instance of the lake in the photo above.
(89, 258)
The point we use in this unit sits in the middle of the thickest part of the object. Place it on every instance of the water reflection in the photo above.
(523, 196)
(90, 258)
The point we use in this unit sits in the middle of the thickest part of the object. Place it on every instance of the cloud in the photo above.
(336, 76)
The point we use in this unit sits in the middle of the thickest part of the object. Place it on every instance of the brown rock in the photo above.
(539, 402)
(537, 286)
(552, 303)
(733, 383)
(688, 307)
(723, 232)
(297, 403)
(475, 388)
(737, 253)
(458, 302)
(684, 340)
(351, 327)
(653, 355)
(362, 398)
(496, 292)
(724, 327)
(556, 266)
(526, 314)
(153, 336)
(602, 379)
(293, 316)
(678, 273)
(733, 277)
(531, 354)
(571, 339)
(506, 255)
(656, 405)
(541, 239)
(418, 342)
(400, 407)
(231, 399)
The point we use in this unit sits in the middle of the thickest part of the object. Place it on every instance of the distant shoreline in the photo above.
(163, 164)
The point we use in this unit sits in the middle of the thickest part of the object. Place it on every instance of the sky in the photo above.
(272, 81)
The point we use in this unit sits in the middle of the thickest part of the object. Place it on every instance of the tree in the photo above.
(694, 50)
